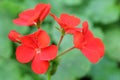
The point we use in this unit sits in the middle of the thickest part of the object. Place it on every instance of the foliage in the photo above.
(104, 19)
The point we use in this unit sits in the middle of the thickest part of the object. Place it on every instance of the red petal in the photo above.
(24, 54)
(27, 14)
(39, 66)
(92, 55)
(72, 30)
(60, 22)
(39, 9)
(97, 46)
(43, 39)
(100, 46)
(70, 20)
(28, 41)
(22, 22)
(55, 17)
(88, 36)
(24, 18)
(94, 50)
(85, 27)
(38, 39)
(49, 53)
(78, 39)
(45, 12)
(86, 32)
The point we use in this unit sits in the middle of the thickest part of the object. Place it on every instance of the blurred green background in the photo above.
(104, 21)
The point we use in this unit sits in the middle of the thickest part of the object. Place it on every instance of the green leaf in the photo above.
(5, 48)
(9, 70)
(29, 4)
(72, 2)
(5, 26)
(97, 32)
(10, 8)
(27, 77)
(103, 11)
(112, 39)
(105, 70)
(72, 66)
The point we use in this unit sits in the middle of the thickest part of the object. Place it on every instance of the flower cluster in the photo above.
(36, 47)
(32, 16)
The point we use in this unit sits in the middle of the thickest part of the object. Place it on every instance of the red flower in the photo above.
(36, 47)
(67, 22)
(91, 47)
(14, 36)
(32, 16)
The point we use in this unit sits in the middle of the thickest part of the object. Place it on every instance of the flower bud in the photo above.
(14, 36)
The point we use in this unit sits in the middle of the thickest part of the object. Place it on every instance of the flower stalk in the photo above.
(61, 38)
(48, 76)
(64, 52)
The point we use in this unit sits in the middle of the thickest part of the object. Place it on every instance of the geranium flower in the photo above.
(32, 16)
(35, 47)
(90, 46)
(14, 36)
(67, 22)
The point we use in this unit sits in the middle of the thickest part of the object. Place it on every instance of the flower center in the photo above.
(38, 50)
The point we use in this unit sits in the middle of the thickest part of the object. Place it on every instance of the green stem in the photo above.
(48, 76)
(61, 38)
(64, 52)
(54, 65)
